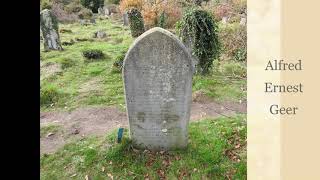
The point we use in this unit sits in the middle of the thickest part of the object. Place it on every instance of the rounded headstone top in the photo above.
(161, 32)
(45, 11)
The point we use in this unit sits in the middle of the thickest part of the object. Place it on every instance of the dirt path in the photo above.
(99, 121)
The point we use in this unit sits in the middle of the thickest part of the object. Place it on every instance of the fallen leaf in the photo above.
(103, 169)
(161, 173)
(177, 158)
(146, 177)
(110, 162)
(73, 175)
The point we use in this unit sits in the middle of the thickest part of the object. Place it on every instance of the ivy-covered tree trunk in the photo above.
(136, 22)
(49, 29)
(199, 34)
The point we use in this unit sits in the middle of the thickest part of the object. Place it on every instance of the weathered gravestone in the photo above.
(49, 29)
(100, 11)
(106, 12)
(125, 19)
(99, 34)
(92, 21)
(157, 77)
(224, 20)
(243, 21)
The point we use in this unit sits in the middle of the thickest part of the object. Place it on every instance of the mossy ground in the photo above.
(216, 150)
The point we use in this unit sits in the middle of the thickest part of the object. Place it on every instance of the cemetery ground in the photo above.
(82, 104)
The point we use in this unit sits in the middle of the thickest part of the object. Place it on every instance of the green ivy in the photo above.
(199, 26)
(162, 20)
(136, 22)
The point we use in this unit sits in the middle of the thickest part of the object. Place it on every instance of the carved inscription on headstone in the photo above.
(157, 77)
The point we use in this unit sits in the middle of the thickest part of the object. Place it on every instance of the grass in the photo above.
(76, 70)
(221, 84)
(52, 128)
(226, 82)
(216, 150)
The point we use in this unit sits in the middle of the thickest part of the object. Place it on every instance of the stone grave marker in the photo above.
(157, 77)
(243, 21)
(125, 19)
(100, 11)
(49, 29)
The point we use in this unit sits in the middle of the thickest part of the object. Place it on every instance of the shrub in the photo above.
(231, 9)
(198, 25)
(73, 7)
(222, 10)
(233, 38)
(45, 4)
(241, 54)
(92, 54)
(163, 13)
(61, 14)
(126, 5)
(85, 14)
(49, 94)
(112, 2)
(136, 22)
(92, 4)
(118, 63)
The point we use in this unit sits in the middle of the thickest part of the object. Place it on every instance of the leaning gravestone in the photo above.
(157, 75)
(49, 29)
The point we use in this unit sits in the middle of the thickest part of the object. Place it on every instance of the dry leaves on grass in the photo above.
(110, 176)
(183, 173)
(236, 145)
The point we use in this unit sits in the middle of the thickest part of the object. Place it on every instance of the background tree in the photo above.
(92, 4)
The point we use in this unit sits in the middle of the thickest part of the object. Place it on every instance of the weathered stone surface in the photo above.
(243, 21)
(100, 34)
(224, 20)
(49, 29)
(92, 21)
(100, 11)
(157, 75)
(106, 12)
(125, 19)
(188, 42)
